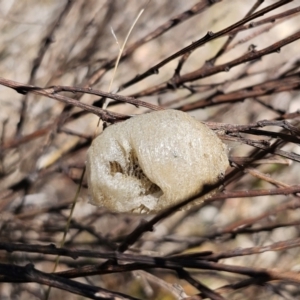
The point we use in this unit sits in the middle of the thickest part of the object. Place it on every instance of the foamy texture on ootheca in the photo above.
(152, 161)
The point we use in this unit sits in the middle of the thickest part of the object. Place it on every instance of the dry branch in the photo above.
(242, 239)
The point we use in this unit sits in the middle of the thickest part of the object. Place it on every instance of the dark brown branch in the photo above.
(207, 38)
(24, 88)
(45, 44)
(30, 274)
(198, 8)
(279, 246)
(270, 19)
(222, 50)
(176, 263)
(205, 291)
(208, 71)
(148, 226)
(268, 87)
(116, 97)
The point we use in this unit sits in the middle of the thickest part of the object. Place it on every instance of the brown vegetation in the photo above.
(233, 65)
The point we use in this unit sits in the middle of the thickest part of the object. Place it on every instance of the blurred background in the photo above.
(44, 142)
